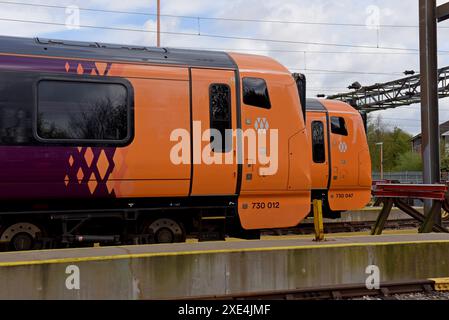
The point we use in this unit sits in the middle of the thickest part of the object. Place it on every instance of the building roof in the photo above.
(444, 131)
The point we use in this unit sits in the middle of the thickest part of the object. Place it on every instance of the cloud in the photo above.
(367, 13)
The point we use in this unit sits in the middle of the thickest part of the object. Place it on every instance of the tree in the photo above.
(409, 161)
(396, 143)
(375, 134)
(444, 156)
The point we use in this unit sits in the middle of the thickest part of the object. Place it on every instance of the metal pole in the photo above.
(429, 95)
(158, 23)
(381, 144)
(382, 161)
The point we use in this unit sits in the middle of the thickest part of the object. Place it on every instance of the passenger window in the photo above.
(93, 111)
(338, 126)
(318, 151)
(220, 117)
(255, 93)
(16, 108)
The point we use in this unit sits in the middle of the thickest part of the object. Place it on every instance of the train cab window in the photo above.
(255, 93)
(318, 146)
(338, 126)
(83, 111)
(220, 117)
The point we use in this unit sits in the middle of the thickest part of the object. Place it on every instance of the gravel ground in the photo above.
(412, 296)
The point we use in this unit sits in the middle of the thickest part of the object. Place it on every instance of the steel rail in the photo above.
(386, 290)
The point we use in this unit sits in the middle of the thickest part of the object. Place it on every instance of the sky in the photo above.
(332, 55)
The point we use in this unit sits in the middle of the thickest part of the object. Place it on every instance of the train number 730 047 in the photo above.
(345, 195)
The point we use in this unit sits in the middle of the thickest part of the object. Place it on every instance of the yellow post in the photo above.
(318, 219)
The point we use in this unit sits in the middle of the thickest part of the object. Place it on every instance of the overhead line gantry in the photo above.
(392, 94)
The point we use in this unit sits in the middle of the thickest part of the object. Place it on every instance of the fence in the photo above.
(409, 177)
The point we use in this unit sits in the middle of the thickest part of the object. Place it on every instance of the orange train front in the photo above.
(118, 144)
(341, 163)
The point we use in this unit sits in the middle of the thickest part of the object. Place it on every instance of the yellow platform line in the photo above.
(441, 284)
(201, 252)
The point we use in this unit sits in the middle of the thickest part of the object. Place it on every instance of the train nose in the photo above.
(365, 178)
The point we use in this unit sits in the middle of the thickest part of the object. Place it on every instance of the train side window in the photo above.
(16, 108)
(255, 93)
(338, 126)
(220, 117)
(318, 146)
(83, 111)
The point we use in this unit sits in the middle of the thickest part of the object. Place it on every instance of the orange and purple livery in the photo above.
(127, 144)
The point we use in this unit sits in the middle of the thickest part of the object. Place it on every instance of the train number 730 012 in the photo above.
(266, 205)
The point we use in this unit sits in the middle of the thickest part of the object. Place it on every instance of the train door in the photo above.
(275, 190)
(343, 163)
(214, 117)
(262, 98)
(317, 126)
(346, 137)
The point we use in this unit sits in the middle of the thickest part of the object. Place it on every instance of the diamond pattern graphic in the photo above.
(89, 156)
(80, 175)
(93, 184)
(102, 164)
(71, 161)
(110, 185)
(101, 67)
(80, 69)
(87, 67)
(89, 169)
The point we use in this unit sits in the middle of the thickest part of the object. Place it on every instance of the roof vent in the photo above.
(67, 43)
(133, 48)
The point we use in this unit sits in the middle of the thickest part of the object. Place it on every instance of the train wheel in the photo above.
(167, 231)
(20, 236)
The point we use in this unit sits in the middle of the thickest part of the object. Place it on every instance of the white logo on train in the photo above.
(261, 124)
(343, 147)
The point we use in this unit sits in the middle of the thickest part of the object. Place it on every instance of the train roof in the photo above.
(326, 105)
(314, 105)
(114, 52)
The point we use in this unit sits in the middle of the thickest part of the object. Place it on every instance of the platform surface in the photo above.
(220, 268)
(126, 252)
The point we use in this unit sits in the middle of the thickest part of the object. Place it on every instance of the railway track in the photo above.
(346, 227)
(307, 228)
(386, 291)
